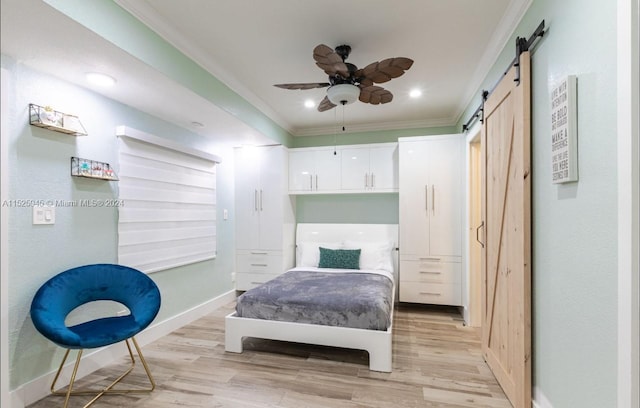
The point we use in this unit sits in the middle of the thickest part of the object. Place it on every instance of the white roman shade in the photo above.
(168, 193)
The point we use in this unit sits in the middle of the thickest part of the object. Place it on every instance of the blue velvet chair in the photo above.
(57, 297)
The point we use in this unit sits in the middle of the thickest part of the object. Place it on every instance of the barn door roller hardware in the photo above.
(522, 45)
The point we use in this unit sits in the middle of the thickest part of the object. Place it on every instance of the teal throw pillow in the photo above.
(339, 258)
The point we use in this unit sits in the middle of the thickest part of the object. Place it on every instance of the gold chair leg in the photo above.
(109, 389)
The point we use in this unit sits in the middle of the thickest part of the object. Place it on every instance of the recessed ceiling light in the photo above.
(309, 103)
(99, 79)
(415, 93)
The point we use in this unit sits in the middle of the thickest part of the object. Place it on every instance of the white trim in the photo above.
(628, 198)
(504, 30)
(39, 388)
(471, 136)
(4, 239)
(125, 131)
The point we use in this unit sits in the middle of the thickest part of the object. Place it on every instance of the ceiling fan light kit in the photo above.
(348, 83)
(343, 94)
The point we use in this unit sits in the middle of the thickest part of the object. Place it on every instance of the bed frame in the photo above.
(377, 342)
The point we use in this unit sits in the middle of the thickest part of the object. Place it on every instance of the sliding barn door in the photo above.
(506, 337)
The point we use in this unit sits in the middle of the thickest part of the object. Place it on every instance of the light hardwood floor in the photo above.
(436, 363)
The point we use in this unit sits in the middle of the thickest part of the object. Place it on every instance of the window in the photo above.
(168, 213)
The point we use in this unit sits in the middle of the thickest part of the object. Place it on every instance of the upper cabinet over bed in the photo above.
(371, 168)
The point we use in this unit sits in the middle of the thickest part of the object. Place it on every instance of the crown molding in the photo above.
(385, 126)
(504, 30)
(148, 16)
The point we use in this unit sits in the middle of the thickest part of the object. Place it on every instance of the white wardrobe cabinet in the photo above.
(314, 170)
(265, 215)
(370, 168)
(431, 205)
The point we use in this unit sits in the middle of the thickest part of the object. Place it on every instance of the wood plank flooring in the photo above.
(437, 362)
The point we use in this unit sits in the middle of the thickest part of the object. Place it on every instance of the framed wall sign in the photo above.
(564, 131)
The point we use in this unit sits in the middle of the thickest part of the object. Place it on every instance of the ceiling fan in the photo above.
(348, 83)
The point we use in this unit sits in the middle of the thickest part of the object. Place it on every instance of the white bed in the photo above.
(378, 343)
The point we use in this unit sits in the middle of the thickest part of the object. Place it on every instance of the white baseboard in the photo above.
(38, 388)
(539, 399)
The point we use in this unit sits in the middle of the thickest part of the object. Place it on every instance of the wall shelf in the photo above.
(92, 169)
(48, 118)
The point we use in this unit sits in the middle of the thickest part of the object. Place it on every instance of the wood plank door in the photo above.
(506, 325)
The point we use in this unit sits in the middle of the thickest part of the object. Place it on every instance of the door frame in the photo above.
(473, 293)
(628, 86)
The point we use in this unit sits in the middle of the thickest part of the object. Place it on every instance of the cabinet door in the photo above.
(414, 216)
(355, 169)
(302, 170)
(327, 170)
(445, 197)
(383, 167)
(247, 180)
(271, 197)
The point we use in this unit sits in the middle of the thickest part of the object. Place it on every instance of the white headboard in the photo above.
(352, 232)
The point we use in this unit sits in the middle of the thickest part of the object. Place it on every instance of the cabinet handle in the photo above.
(429, 258)
(316, 182)
(431, 272)
(256, 264)
(478, 232)
(426, 198)
(310, 182)
(366, 180)
(257, 283)
(433, 199)
(259, 253)
(260, 199)
(255, 199)
(431, 293)
(373, 180)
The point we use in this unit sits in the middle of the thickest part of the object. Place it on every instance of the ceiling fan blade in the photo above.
(375, 95)
(385, 70)
(325, 104)
(309, 85)
(329, 61)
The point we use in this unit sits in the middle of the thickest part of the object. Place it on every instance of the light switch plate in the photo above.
(44, 215)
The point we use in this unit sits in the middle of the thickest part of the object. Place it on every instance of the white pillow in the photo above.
(308, 253)
(374, 255)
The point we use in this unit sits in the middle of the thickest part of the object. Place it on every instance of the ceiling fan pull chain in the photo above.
(335, 133)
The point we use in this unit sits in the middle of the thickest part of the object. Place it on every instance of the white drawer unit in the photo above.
(256, 267)
(246, 281)
(430, 271)
(259, 262)
(432, 293)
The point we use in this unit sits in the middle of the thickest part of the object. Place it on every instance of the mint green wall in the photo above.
(382, 136)
(108, 20)
(376, 208)
(39, 166)
(574, 225)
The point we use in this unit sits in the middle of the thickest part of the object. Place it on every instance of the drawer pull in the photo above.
(259, 253)
(254, 264)
(257, 283)
(431, 293)
(430, 258)
(431, 272)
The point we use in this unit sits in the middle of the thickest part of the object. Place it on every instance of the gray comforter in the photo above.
(347, 299)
